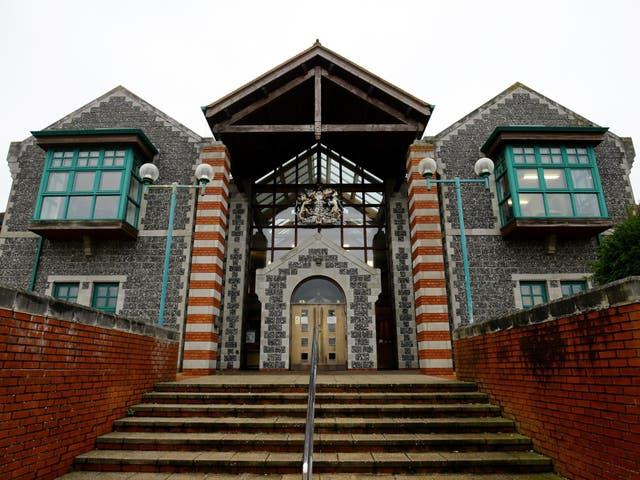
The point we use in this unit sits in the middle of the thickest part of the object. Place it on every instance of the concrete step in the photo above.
(286, 388)
(321, 398)
(294, 442)
(286, 424)
(80, 475)
(400, 410)
(269, 462)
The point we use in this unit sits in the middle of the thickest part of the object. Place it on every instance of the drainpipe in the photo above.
(36, 262)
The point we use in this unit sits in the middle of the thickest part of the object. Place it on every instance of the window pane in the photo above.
(332, 234)
(304, 234)
(507, 210)
(587, 205)
(582, 178)
(84, 181)
(105, 296)
(352, 216)
(524, 155)
(503, 183)
(531, 205)
(577, 155)
(134, 189)
(284, 237)
(555, 178)
(88, 159)
(106, 206)
(353, 237)
(559, 205)
(79, 207)
(52, 208)
(528, 178)
(132, 211)
(573, 287)
(66, 291)
(550, 155)
(110, 181)
(57, 182)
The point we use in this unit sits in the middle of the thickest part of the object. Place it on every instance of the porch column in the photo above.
(207, 262)
(401, 264)
(429, 284)
(234, 281)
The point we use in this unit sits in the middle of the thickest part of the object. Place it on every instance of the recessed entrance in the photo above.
(318, 301)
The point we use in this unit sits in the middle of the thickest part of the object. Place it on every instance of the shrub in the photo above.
(619, 253)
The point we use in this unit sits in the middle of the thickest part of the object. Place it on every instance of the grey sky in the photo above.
(59, 55)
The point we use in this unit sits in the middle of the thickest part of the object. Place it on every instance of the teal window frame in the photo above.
(63, 291)
(533, 293)
(519, 161)
(66, 170)
(105, 296)
(571, 287)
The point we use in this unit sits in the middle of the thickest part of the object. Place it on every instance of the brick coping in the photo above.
(614, 294)
(18, 300)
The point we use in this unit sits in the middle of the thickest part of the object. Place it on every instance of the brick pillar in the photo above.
(207, 263)
(429, 284)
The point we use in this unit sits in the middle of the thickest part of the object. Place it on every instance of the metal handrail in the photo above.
(307, 459)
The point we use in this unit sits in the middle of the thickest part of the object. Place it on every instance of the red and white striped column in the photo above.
(429, 283)
(207, 264)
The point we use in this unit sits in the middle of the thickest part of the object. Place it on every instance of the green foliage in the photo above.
(619, 253)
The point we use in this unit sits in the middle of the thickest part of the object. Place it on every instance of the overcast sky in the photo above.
(56, 56)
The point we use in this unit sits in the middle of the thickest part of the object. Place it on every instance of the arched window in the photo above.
(317, 290)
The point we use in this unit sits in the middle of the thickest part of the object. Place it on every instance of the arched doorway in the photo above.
(318, 301)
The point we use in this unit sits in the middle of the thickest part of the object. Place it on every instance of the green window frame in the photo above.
(548, 181)
(105, 296)
(571, 287)
(533, 293)
(66, 291)
(90, 184)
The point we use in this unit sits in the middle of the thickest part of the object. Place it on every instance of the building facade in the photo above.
(317, 215)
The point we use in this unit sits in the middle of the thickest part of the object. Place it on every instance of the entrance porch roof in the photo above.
(318, 96)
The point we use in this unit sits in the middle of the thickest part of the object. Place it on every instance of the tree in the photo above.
(619, 253)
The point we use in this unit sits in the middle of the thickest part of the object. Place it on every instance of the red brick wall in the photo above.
(572, 384)
(64, 383)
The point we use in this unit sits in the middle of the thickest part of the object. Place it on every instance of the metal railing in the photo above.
(307, 458)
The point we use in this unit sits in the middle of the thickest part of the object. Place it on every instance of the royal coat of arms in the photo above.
(319, 207)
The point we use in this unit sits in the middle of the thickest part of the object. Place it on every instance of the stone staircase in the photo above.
(253, 426)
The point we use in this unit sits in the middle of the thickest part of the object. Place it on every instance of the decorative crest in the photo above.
(319, 207)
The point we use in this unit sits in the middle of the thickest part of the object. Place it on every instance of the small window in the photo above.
(105, 296)
(66, 291)
(572, 287)
(533, 293)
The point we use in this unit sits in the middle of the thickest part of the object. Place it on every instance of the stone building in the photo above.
(317, 214)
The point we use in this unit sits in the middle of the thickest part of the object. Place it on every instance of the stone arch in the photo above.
(318, 257)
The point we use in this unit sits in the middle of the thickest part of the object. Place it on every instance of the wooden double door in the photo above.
(332, 337)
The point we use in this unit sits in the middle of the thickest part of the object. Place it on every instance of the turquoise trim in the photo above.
(533, 162)
(100, 131)
(532, 128)
(36, 263)
(66, 164)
